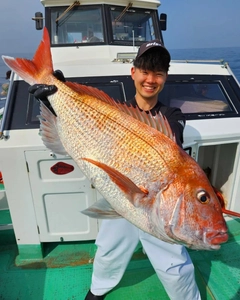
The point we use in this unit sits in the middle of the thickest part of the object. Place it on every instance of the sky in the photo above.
(201, 23)
(191, 24)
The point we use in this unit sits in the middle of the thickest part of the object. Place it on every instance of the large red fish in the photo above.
(141, 172)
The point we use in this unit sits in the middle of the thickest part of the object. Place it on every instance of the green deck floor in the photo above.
(62, 276)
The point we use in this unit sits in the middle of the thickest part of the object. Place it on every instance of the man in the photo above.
(117, 239)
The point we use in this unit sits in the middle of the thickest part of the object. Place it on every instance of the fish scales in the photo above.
(94, 143)
(136, 150)
(112, 134)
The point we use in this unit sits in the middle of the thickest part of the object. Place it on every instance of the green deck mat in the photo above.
(65, 272)
(5, 217)
(220, 269)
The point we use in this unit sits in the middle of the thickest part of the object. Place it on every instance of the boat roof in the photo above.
(153, 4)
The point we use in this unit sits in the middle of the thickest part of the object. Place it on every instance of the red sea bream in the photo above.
(142, 173)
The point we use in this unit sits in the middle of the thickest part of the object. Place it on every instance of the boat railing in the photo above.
(7, 103)
(200, 61)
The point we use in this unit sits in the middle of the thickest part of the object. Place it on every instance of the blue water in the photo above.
(228, 54)
(231, 55)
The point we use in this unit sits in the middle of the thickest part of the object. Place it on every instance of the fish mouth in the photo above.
(215, 238)
(209, 240)
(203, 239)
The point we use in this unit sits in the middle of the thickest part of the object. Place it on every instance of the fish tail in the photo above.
(33, 71)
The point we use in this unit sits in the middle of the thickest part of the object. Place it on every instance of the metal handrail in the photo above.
(217, 61)
(2, 136)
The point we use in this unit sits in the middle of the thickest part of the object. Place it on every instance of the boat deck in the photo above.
(65, 271)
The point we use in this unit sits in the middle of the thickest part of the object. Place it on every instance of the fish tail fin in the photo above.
(32, 71)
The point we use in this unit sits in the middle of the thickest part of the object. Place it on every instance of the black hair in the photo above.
(153, 60)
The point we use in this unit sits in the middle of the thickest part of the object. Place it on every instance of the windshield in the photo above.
(79, 25)
(102, 24)
(132, 25)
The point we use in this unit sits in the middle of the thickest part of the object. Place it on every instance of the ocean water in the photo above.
(231, 55)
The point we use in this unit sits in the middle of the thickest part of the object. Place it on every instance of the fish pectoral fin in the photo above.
(48, 131)
(101, 210)
(132, 192)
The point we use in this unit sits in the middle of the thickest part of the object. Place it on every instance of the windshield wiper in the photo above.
(118, 18)
(76, 3)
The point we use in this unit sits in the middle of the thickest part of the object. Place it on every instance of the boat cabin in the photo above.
(94, 43)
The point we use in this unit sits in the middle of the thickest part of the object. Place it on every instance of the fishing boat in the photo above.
(46, 244)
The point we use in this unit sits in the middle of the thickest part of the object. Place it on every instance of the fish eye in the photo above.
(203, 197)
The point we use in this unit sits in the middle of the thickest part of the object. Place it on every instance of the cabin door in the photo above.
(59, 198)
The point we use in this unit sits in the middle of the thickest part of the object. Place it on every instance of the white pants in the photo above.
(116, 242)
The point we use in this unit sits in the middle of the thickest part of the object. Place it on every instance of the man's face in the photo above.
(148, 84)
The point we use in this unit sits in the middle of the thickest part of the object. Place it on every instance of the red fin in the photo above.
(32, 71)
(222, 202)
(124, 183)
(230, 212)
(145, 191)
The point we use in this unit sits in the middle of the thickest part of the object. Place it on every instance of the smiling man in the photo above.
(149, 73)
(117, 238)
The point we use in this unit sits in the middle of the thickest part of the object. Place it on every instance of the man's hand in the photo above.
(59, 75)
(41, 91)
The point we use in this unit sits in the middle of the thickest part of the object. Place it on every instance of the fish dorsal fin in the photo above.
(158, 122)
(49, 132)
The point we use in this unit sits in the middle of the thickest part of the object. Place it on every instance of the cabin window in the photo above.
(215, 97)
(192, 98)
(79, 25)
(132, 25)
(113, 89)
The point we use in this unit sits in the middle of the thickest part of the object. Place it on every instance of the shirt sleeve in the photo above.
(177, 123)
